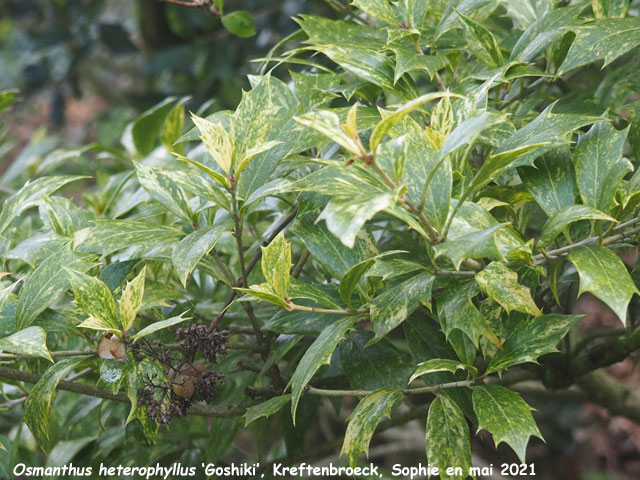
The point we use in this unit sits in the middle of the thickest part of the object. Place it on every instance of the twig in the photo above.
(293, 306)
(408, 391)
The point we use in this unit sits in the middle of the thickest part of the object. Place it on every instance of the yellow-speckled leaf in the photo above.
(500, 283)
(276, 265)
(38, 404)
(447, 441)
(217, 141)
(30, 341)
(131, 300)
(364, 420)
(506, 416)
(94, 298)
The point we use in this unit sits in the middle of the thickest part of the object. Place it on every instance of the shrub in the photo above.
(405, 221)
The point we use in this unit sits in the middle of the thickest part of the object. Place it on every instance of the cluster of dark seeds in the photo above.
(198, 338)
(187, 382)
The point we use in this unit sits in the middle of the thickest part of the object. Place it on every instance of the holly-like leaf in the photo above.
(364, 420)
(380, 9)
(188, 252)
(473, 245)
(94, 298)
(318, 354)
(561, 221)
(30, 341)
(266, 409)
(276, 264)
(328, 124)
(603, 274)
(38, 404)
(551, 181)
(530, 340)
(371, 367)
(481, 42)
(131, 300)
(600, 166)
(392, 307)
(605, 39)
(447, 440)
(505, 415)
(500, 283)
(459, 313)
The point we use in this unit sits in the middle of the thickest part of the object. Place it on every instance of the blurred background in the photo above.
(86, 68)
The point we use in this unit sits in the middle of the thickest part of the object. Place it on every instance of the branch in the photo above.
(218, 411)
(252, 263)
(407, 391)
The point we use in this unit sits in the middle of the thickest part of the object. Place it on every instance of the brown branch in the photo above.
(252, 263)
(219, 411)
(194, 4)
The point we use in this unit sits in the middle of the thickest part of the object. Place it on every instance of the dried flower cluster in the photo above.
(185, 381)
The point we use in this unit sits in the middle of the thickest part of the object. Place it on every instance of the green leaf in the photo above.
(602, 273)
(5, 292)
(437, 365)
(350, 280)
(173, 126)
(345, 218)
(239, 23)
(94, 298)
(481, 42)
(30, 341)
(506, 416)
(447, 440)
(213, 174)
(532, 339)
(328, 124)
(321, 294)
(46, 283)
(265, 409)
(610, 8)
(264, 291)
(599, 165)
(276, 265)
(328, 249)
(189, 250)
(385, 125)
(217, 141)
(380, 9)
(29, 195)
(408, 60)
(524, 12)
(542, 133)
(392, 307)
(108, 236)
(164, 190)
(468, 131)
(156, 326)
(473, 245)
(459, 313)
(501, 285)
(371, 367)
(561, 221)
(131, 300)
(364, 420)
(544, 31)
(147, 127)
(318, 354)
(609, 39)
(38, 404)
(551, 181)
